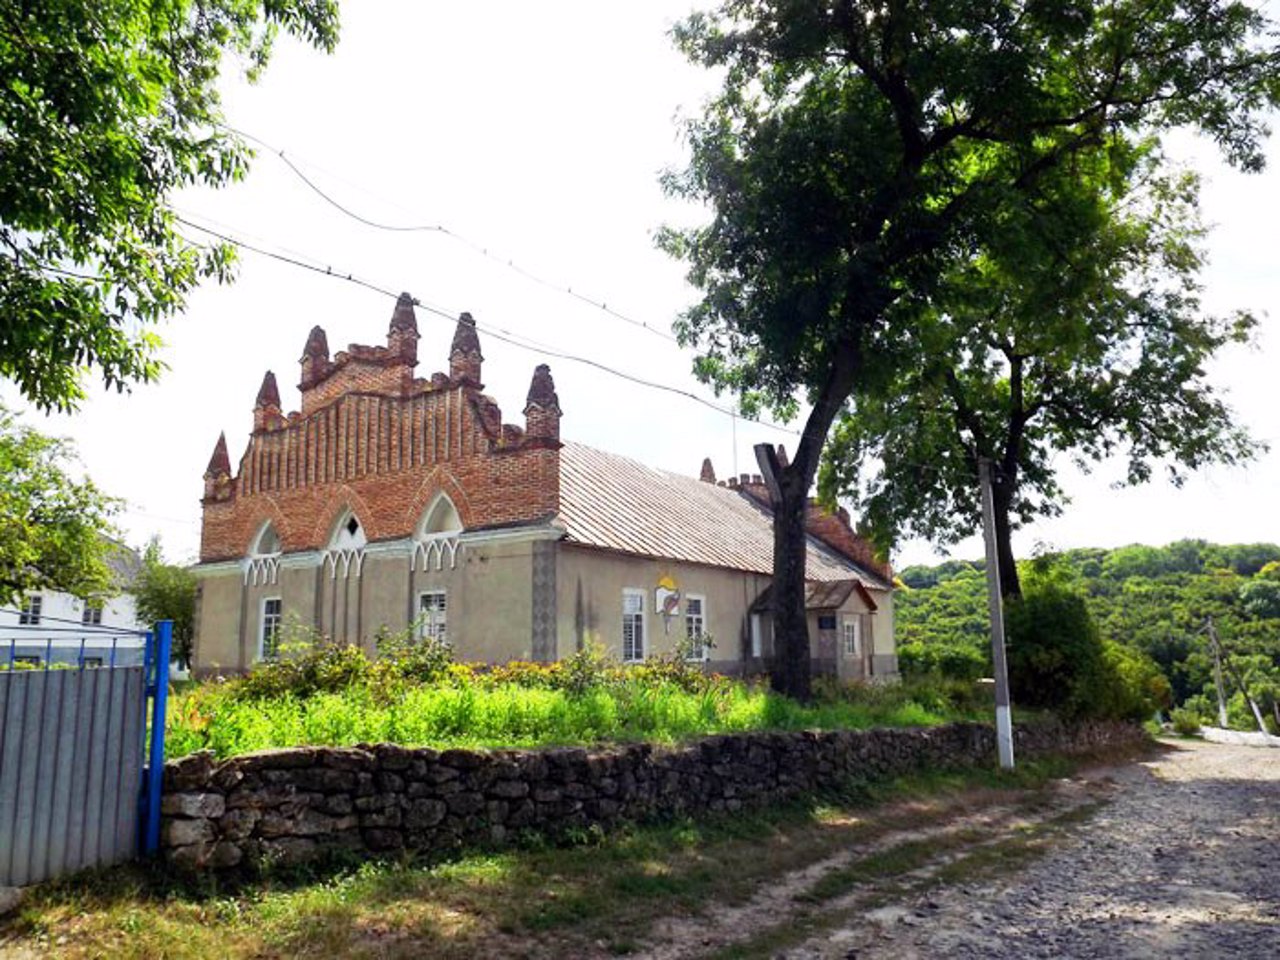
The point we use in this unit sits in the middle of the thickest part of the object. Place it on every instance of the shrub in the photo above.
(1055, 652)
(1185, 722)
(952, 660)
(308, 664)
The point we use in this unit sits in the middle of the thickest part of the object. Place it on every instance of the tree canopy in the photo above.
(859, 152)
(54, 528)
(1078, 330)
(166, 591)
(106, 108)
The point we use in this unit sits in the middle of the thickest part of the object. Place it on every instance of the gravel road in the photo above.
(1184, 861)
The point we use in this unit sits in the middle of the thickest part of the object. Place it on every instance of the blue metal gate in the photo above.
(81, 728)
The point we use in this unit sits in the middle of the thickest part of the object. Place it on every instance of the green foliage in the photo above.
(325, 693)
(1152, 601)
(952, 660)
(53, 528)
(165, 591)
(1054, 649)
(1185, 722)
(107, 108)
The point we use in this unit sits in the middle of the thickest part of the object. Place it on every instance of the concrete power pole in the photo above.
(995, 603)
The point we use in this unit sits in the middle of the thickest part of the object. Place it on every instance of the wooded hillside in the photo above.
(1155, 600)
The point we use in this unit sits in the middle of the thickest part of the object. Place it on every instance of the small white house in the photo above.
(48, 627)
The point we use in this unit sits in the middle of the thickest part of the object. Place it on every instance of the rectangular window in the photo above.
(32, 606)
(433, 619)
(826, 621)
(92, 613)
(269, 647)
(851, 633)
(695, 626)
(632, 625)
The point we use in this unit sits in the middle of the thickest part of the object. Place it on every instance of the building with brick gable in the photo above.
(397, 501)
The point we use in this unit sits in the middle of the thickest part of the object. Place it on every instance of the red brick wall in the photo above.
(382, 444)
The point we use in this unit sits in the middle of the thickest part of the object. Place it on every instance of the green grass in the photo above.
(517, 715)
(602, 894)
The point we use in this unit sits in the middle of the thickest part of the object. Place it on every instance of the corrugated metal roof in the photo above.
(613, 502)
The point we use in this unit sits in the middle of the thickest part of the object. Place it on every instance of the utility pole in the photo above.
(995, 603)
(1217, 673)
(1219, 651)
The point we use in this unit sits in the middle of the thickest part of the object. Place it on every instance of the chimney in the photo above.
(464, 355)
(217, 475)
(542, 407)
(708, 474)
(402, 337)
(315, 359)
(266, 409)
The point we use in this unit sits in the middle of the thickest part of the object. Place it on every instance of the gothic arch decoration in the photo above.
(343, 501)
(439, 481)
(435, 538)
(344, 550)
(262, 566)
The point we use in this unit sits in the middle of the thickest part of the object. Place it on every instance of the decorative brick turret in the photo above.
(370, 433)
(464, 356)
(542, 407)
(217, 476)
(315, 359)
(266, 409)
(402, 337)
(708, 474)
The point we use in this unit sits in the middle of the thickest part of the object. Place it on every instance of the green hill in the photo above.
(1152, 599)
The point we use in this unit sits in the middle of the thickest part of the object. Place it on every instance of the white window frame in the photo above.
(269, 625)
(757, 635)
(433, 620)
(634, 619)
(696, 632)
(32, 610)
(91, 615)
(851, 639)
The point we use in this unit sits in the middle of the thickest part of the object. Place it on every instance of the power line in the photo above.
(496, 333)
(441, 229)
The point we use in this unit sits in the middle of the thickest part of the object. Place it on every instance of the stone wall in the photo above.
(294, 805)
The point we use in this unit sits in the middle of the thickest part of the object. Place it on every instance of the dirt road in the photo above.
(1174, 856)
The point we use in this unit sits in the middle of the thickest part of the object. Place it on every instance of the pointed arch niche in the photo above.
(435, 541)
(345, 553)
(263, 563)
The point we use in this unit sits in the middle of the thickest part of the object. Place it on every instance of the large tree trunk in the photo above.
(1010, 587)
(791, 674)
(791, 665)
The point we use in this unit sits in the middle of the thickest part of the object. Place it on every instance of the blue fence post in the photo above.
(158, 690)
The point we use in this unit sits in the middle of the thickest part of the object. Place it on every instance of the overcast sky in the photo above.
(535, 133)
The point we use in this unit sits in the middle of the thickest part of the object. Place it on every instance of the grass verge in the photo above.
(599, 896)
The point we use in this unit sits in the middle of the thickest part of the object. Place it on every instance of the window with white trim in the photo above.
(632, 625)
(695, 625)
(32, 607)
(433, 615)
(269, 636)
(851, 634)
(92, 613)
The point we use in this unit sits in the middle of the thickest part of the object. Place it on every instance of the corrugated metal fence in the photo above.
(73, 740)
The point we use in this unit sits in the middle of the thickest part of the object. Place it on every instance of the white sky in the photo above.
(538, 131)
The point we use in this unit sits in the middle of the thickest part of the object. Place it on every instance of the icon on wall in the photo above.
(667, 601)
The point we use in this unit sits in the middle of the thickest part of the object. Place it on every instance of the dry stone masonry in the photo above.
(289, 806)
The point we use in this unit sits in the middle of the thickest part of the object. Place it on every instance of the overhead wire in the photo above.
(497, 333)
(443, 230)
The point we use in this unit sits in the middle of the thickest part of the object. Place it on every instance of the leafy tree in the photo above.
(53, 528)
(108, 107)
(859, 153)
(165, 591)
(1077, 331)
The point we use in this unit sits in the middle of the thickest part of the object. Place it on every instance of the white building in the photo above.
(48, 627)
